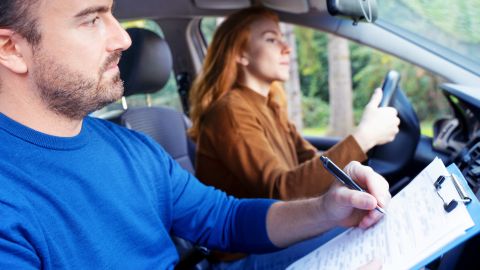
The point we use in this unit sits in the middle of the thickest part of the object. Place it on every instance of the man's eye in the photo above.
(94, 21)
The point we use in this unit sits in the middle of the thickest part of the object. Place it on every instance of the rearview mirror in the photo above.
(357, 10)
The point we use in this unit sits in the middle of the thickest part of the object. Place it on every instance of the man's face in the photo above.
(75, 67)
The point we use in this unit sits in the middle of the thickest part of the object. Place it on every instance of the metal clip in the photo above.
(461, 192)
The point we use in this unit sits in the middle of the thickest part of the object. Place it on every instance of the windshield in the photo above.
(450, 28)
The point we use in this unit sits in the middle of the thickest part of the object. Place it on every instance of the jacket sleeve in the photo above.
(341, 153)
(242, 146)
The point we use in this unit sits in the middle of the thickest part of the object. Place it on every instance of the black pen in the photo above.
(344, 178)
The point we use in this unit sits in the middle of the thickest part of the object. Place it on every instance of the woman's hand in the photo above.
(379, 125)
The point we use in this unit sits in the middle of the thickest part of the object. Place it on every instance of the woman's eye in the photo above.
(271, 40)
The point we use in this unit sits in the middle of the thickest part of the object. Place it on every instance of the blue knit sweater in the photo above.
(108, 198)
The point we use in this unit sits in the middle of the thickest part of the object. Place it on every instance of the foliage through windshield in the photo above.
(452, 26)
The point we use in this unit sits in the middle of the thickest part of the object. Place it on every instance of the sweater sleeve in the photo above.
(16, 251)
(241, 145)
(209, 217)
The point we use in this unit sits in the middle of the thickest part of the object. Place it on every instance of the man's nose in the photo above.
(119, 39)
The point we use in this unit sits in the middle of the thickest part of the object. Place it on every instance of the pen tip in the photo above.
(381, 210)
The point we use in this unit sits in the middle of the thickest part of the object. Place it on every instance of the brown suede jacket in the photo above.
(245, 151)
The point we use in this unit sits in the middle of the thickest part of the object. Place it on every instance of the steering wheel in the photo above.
(390, 159)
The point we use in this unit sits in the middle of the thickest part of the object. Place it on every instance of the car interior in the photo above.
(146, 67)
(153, 60)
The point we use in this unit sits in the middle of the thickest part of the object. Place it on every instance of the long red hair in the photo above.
(220, 71)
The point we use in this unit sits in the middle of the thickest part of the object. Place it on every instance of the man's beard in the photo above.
(72, 94)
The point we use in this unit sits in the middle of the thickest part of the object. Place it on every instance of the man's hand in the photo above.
(346, 207)
(293, 221)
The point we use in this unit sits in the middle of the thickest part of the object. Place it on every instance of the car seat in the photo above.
(145, 68)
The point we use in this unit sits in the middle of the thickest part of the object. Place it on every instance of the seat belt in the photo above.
(183, 86)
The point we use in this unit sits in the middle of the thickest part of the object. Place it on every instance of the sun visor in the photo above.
(297, 6)
(222, 4)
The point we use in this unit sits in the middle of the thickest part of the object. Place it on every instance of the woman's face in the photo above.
(267, 56)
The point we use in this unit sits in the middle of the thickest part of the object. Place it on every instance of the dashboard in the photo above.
(460, 135)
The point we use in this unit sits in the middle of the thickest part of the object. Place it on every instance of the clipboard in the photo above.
(356, 247)
(473, 208)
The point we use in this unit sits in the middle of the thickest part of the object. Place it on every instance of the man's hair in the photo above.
(17, 15)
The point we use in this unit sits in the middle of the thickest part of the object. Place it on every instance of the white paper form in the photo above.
(415, 226)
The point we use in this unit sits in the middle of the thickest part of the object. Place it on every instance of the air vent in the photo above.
(475, 151)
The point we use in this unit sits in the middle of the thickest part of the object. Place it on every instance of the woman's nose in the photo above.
(285, 47)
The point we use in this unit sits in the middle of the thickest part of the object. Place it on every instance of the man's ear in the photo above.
(11, 55)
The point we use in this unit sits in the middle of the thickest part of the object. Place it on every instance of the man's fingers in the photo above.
(356, 199)
(376, 185)
(373, 182)
(370, 219)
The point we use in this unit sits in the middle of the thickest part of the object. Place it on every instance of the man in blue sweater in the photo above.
(81, 193)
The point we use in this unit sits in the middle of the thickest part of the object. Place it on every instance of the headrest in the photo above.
(146, 66)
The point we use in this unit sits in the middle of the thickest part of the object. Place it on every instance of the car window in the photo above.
(368, 67)
(448, 28)
(168, 97)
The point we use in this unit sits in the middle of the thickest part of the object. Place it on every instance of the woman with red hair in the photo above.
(246, 145)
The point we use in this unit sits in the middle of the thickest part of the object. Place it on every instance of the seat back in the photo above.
(164, 125)
(145, 68)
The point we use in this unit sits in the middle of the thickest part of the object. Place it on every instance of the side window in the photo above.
(310, 79)
(168, 96)
(368, 67)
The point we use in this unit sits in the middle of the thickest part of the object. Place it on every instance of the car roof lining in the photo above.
(317, 17)
(156, 9)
